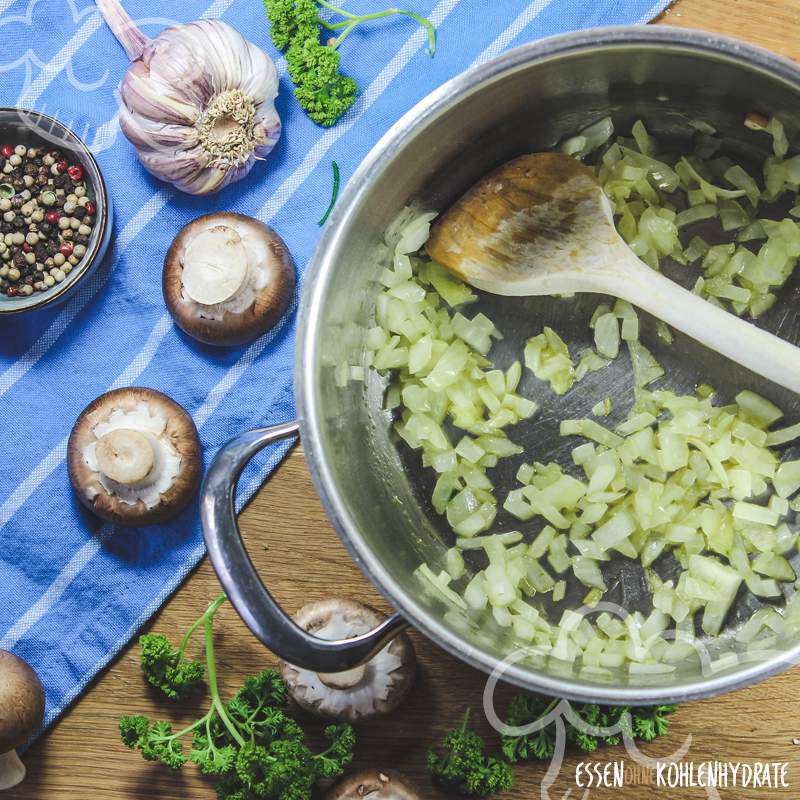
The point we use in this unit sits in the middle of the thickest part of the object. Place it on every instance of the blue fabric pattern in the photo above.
(75, 589)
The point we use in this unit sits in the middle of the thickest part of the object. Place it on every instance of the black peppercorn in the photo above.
(46, 190)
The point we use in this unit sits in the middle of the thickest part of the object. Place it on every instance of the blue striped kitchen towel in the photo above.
(76, 591)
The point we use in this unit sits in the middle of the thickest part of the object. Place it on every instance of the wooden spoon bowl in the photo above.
(541, 225)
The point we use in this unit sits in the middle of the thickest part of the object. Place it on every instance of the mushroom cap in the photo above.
(373, 784)
(345, 699)
(182, 435)
(270, 302)
(21, 701)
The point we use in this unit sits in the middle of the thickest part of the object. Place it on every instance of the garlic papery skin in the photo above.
(165, 465)
(198, 102)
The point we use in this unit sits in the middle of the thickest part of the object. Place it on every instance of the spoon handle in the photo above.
(741, 341)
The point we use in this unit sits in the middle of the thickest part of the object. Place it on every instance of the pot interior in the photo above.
(378, 493)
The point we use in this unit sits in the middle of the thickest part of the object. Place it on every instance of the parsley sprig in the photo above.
(251, 744)
(320, 88)
(639, 722)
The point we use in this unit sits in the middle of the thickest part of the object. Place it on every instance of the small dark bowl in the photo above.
(34, 129)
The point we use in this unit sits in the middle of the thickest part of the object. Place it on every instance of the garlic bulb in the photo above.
(198, 102)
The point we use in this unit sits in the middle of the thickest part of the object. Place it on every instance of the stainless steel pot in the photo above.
(376, 495)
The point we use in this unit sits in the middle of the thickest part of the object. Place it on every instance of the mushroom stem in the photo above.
(126, 456)
(214, 265)
(12, 770)
(343, 680)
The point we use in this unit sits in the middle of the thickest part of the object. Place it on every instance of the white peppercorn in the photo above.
(40, 193)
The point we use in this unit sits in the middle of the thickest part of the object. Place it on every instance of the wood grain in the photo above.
(299, 555)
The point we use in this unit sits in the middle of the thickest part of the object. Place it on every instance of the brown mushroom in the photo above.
(227, 278)
(373, 689)
(372, 784)
(21, 714)
(134, 457)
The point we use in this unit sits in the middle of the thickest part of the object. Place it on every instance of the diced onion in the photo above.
(678, 475)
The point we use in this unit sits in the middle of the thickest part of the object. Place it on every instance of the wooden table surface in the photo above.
(296, 550)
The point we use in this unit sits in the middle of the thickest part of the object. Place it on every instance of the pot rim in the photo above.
(323, 264)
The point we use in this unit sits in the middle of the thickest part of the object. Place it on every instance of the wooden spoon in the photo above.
(541, 224)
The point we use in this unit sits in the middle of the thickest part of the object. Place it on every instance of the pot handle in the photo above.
(249, 596)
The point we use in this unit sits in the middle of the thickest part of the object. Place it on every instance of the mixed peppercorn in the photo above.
(46, 218)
